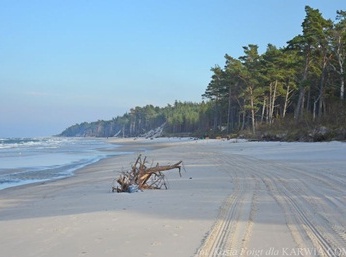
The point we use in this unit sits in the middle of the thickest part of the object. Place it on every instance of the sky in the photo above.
(64, 62)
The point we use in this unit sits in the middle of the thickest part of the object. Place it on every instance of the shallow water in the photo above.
(30, 160)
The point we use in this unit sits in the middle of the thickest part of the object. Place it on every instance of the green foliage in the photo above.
(283, 93)
(300, 78)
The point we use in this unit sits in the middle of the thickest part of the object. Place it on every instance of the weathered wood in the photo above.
(146, 174)
(142, 177)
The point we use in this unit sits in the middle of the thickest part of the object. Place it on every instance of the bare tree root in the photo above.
(142, 177)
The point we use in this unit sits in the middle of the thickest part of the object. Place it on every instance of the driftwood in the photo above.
(141, 177)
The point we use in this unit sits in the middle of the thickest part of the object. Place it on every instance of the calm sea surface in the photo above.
(30, 160)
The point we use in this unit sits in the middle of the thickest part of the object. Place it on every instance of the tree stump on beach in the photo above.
(142, 177)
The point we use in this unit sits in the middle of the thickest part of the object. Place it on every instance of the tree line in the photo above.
(181, 118)
(302, 83)
(306, 78)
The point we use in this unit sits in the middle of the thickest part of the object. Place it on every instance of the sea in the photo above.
(30, 160)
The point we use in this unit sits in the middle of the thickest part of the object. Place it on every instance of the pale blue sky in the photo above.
(67, 61)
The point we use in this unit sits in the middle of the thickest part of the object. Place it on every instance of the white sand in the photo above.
(235, 199)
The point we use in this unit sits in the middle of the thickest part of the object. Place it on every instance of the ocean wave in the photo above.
(23, 177)
(40, 159)
(26, 142)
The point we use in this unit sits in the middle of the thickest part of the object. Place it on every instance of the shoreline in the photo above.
(229, 198)
(125, 146)
(50, 206)
(67, 170)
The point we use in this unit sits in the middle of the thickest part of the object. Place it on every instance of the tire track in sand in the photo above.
(307, 226)
(289, 188)
(233, 225)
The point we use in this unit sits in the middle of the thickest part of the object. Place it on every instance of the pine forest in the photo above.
(293, 93)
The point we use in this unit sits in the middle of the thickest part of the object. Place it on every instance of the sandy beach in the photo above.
(235, 198)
